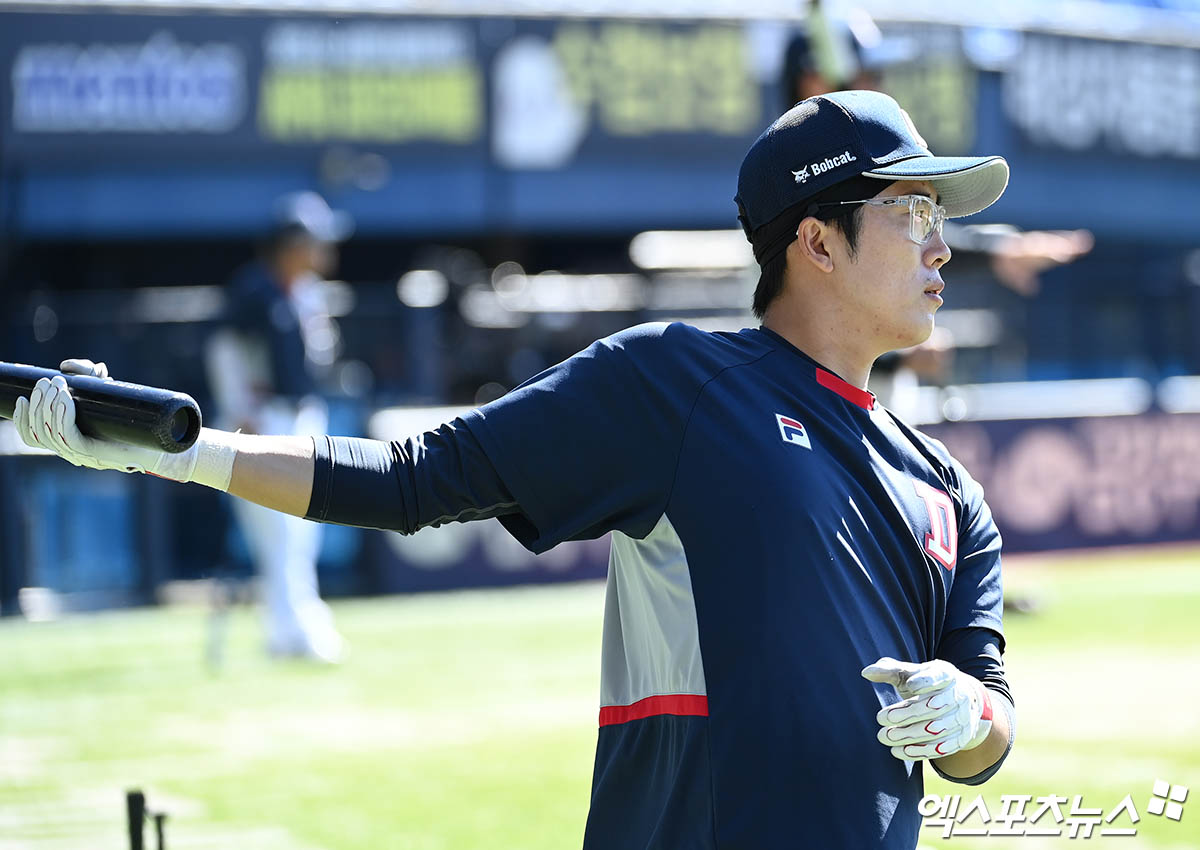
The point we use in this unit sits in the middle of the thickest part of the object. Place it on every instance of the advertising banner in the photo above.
(1089, 482)
(1052, 484)
(466, 124)
(477, 554)
(198, 88)
(544, 93)
(480, 124)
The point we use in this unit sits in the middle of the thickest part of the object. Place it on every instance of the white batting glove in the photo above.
(943, 710)
(84, 367)
(47, 420)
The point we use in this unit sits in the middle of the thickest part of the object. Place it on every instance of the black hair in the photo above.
(770, 284)
(284, 237)
(847, 219)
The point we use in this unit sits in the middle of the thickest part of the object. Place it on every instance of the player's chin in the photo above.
(917, 331)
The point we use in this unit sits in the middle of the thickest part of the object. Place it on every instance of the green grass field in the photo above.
(468, 720)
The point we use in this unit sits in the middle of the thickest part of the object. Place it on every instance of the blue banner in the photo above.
(1052, 484)
(197, 88)
(476, 125)
(420, 124)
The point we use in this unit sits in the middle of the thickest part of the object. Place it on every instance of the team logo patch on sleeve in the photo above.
(942, 540)
(793, 431)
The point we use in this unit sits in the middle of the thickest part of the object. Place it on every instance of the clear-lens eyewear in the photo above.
(924, 216)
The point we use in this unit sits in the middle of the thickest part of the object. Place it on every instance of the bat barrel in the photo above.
(114, 410)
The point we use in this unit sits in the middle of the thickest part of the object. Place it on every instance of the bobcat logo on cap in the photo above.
(814, 169)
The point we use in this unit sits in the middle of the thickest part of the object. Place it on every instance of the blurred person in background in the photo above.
(833, 53)
(265, 364)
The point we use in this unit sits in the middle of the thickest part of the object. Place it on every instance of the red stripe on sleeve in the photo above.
(688, 705)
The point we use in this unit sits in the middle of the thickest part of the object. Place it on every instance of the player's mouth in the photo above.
(934, 291)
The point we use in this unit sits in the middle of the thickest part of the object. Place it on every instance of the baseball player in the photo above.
(804, 601)
(263, 363)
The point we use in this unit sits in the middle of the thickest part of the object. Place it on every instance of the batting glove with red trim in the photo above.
(942, 711)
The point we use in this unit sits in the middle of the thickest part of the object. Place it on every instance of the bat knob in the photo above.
(185, 427)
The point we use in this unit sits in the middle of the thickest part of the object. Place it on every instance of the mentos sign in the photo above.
(159, 85)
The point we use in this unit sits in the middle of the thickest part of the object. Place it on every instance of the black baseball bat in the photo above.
(113, 410)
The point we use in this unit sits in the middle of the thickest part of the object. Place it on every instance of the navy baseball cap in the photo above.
(307, 213)
(827, 139)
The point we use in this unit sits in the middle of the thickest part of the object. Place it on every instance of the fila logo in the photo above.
(827, 164)
(792, 431)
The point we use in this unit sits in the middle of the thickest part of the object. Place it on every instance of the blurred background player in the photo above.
(832, 53)
(265, 366)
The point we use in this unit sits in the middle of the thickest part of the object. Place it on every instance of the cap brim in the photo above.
(965, 184)
(341, 226)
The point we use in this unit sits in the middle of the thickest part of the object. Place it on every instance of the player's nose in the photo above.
(937, 252)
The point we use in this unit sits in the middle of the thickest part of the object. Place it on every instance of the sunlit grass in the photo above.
(468, 720)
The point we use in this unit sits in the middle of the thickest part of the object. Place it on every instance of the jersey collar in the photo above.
(860, 397)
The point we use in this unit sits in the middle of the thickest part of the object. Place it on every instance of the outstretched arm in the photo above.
(440, 476)
(275, 472)
(597, 423)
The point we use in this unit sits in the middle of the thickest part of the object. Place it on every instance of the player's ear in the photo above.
(812, 245)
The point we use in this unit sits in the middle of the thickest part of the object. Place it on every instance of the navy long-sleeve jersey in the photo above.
(258, 307)
(774, 531)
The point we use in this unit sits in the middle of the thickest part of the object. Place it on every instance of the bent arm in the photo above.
(979, 652)
(977, 765)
